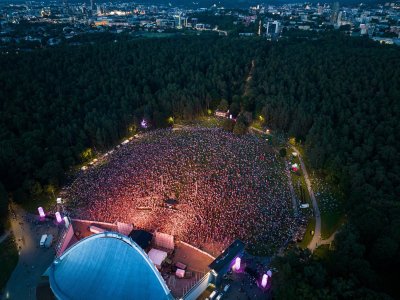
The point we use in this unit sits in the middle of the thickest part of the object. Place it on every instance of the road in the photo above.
(316, 240)
(33, 260)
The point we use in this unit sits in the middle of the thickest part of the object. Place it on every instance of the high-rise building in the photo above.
(339, 19)
(273, 28)
(335, 12)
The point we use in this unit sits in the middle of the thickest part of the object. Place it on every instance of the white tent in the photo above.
(180, 273)
(157, 257)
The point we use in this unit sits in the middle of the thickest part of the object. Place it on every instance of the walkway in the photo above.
(316, 240)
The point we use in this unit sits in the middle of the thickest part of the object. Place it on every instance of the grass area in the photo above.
(307, 236)
(258, 124)
(8, 260)
(330, 199)
(331, 205)
(204, 121)
(322, 251)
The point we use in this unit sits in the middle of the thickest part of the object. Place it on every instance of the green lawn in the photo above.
(8, 260)
(257, 124)
(330, 222)
(322, 251)
(330, 203)
(307, 236)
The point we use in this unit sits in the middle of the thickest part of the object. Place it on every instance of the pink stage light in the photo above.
(58, 217)
(264, 281)
(237, 264)
(41, 212)
(143, 123)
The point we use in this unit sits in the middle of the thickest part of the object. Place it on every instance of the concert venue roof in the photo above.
(107, 265)
(227, 256)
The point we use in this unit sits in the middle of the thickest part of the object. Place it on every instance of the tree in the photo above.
(3, 207)
(234, 109)
(228, 125)
(282, 152)
(223, 105)
(240, 126)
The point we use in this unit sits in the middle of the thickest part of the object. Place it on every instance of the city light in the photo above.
(58, 217)
(170, 120)
(41, 212)
(261, 118)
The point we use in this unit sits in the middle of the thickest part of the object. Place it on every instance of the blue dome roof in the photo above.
(107, 265)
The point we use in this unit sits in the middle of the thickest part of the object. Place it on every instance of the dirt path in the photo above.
(248, 79)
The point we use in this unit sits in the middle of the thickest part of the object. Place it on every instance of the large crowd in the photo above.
(226, 186)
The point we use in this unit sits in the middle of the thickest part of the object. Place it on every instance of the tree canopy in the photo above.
(341, 96)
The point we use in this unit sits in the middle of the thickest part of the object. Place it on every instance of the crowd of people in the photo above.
(226, 187)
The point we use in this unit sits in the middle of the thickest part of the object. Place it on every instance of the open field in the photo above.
(307, 236)
(331, 205)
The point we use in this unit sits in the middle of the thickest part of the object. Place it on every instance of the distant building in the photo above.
(244, 34)
(364, 29)
(335, 12)
(272, 28)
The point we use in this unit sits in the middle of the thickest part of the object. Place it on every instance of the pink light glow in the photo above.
(264, 281)
(237, 263)
(41, 212)
(143, 123)
(58, 217)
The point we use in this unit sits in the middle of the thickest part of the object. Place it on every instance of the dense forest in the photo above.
(57, 103)
(338, 96)
(341, 97)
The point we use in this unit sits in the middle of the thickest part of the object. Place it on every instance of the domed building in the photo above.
(107, 265)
